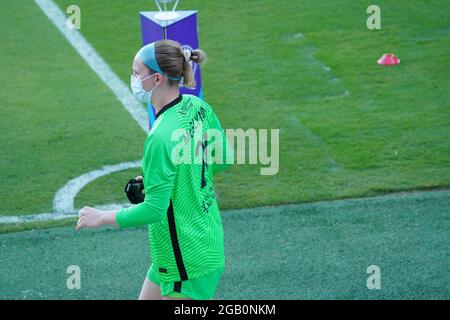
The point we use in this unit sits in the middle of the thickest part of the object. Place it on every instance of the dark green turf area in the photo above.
(307, 251)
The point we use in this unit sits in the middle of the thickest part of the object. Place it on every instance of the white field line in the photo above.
(63, 203)
(427, 194)
(310, 54)
(64, 198)
(52, 216)
(97, 64)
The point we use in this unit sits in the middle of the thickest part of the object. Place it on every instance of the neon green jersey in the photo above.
(180, 207)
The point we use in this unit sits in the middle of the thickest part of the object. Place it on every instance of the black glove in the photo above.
(135, 191)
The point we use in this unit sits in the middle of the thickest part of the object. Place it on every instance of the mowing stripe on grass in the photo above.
(97, 64)
(332, 164)
(310, 64)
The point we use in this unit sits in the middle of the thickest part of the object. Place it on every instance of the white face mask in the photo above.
(139, 91)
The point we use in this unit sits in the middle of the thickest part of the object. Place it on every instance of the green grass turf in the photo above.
(265, 70)
(58, 120)
(306, 251)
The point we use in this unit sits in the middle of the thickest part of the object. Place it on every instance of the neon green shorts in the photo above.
(202, 288)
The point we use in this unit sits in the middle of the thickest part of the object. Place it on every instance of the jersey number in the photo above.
(204, 144)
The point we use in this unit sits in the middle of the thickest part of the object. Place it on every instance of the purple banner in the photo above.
(183, 30)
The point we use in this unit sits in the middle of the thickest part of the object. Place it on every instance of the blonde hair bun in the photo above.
(198, 56)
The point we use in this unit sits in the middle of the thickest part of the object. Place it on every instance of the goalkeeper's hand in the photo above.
(135, 190)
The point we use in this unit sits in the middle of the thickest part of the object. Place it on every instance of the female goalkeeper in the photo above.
(181, 211)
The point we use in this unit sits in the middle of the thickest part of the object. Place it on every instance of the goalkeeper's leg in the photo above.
(150, 291)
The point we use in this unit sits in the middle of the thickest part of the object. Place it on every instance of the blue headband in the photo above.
(147, 55)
